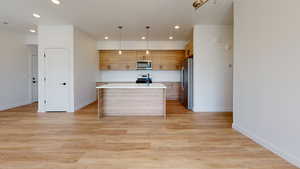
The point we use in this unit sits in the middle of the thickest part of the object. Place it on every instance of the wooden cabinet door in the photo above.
(155, 55)
(169, 60)
(128, 56)
(106, 59)
(141, 55)
(111, 60)
(161, 60)
(173, 90)
(130, 66)
(128, 61)
(189, 51)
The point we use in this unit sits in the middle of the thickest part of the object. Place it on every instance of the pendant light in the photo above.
(148, 31)
(172, 32)
(199, 3)
(120, 47)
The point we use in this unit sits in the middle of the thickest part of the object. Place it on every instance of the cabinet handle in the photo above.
(160, 66)
(127, 67)
(108, 67)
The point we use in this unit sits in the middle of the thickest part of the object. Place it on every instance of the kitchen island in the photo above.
(130, 99)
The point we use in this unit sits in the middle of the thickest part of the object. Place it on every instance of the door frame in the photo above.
(34, 57)
(31, 56)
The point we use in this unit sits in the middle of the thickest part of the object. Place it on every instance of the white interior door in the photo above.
(34, 78)
(57, 79)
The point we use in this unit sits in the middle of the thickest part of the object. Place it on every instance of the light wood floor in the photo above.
(30, 140)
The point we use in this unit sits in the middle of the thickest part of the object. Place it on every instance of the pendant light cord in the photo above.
(148, 37)
(120, 28)
(148, 32)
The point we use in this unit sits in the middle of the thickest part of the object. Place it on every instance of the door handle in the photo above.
(182, 77)
(64, 84)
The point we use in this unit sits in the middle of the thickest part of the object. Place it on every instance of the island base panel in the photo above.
(133, 102)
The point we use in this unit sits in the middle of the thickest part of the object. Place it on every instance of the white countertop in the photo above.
(132, 86)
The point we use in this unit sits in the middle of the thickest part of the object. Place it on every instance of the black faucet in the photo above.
(144, 79)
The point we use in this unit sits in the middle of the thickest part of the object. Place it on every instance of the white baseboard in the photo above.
(212, 109)
(14, 105)
(133, 115)
(78, 107)
(287, 156)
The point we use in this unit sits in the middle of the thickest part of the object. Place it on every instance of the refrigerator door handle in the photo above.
(182, 77)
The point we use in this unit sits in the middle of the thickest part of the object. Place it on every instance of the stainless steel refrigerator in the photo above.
(186, 97)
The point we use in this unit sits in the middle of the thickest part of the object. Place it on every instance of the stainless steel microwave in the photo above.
(144, 65)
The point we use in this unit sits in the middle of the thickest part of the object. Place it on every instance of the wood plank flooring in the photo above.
(30, 140)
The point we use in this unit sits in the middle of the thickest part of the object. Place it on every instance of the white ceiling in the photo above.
(100, 18)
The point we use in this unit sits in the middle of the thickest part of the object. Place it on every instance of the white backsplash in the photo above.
(131, 76)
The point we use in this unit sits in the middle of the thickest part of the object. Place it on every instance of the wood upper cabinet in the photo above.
(168, 60)
(111, 60)
(141, 55)
(161, 59)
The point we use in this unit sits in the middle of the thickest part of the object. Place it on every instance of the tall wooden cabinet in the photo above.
(189, 49)
(161, 59)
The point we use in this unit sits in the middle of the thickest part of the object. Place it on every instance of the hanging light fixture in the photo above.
(172, 32)
(148, 31)
(120, 47)
(199, 3)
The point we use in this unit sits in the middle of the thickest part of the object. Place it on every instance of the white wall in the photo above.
(83, 63)
(14, 70)
(213, 81)
(141, 45)
(61, 36)
(130, 76)
(266, 76)
(85, 68)
(31, 39)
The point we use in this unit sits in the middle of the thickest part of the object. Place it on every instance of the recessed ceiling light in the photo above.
(143, 38)
(32, 30)
(176, 27)
(171, 38)
(36, 15)
(56, 2)
(106, 37)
